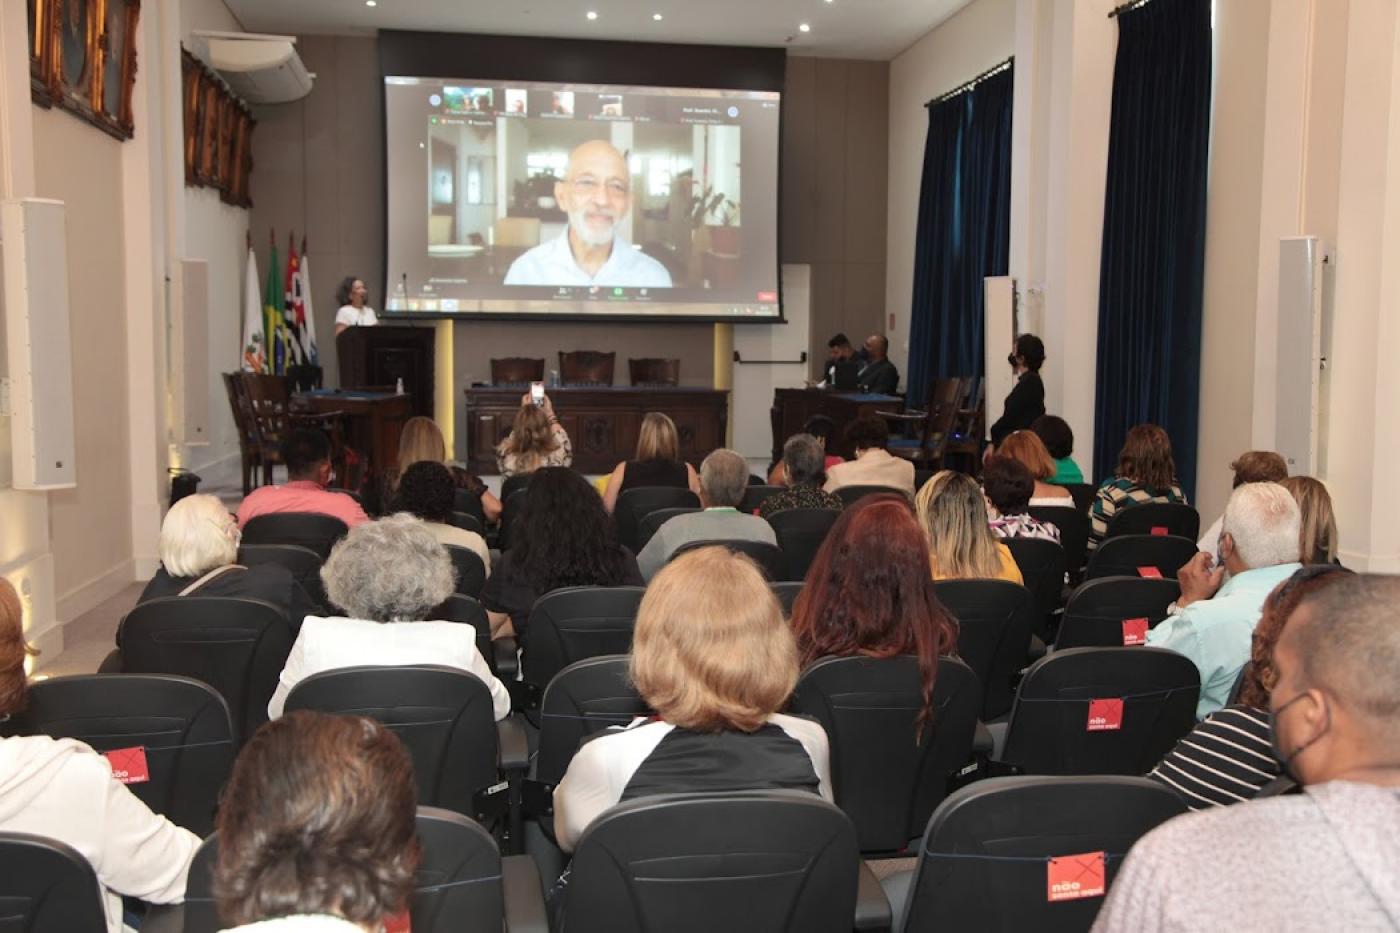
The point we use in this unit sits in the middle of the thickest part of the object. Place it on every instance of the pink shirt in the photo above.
(301, 495)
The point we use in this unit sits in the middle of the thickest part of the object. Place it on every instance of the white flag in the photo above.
(305, 318)
(254, 344)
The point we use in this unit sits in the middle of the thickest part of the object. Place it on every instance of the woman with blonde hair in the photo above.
(420, 440)
(1318, 544)
(658, 461)
(712, 655)
(953, 513)
(1146, 472)
(1026, 448)
(536, 439)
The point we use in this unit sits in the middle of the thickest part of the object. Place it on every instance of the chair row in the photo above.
(585, 367)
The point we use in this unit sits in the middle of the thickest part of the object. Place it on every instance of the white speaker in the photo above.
(190, 369)
(37, 340)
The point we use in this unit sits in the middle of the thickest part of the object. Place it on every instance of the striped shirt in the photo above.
(1226, 759)
(1122, 493)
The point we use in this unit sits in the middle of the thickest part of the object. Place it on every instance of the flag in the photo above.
(295, 356)
(305, 319)
(272, 317)
(254, 357)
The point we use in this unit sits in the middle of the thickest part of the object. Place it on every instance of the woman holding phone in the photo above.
(536, 439)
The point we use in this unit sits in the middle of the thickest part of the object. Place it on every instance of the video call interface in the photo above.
(533, 198)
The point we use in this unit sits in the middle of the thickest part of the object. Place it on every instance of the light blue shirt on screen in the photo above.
(1216, 633)
(553, 263)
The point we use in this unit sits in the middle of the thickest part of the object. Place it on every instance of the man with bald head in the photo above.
(1324, 859)
(878, 375)
(596, 193)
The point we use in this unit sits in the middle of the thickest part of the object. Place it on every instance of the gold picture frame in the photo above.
(217, 133)
(83, 59)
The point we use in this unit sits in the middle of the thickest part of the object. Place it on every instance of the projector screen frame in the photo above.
(404, 53)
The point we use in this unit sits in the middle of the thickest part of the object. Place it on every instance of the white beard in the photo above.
(592, 236)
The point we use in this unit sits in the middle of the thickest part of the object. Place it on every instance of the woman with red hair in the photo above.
(869, 592)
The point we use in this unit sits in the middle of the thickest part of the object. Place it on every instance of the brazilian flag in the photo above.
(273, 299)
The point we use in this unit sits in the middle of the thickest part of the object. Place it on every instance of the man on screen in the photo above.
(596, 193)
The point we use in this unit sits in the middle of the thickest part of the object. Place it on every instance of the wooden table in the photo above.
(792, 408)
(373, 420)
(602, 421)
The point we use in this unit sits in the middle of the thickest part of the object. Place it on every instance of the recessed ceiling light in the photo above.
(592, 14)
(804, 27)
(657, 17)
(371, 3)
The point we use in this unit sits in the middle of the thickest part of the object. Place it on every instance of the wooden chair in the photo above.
(586, 367)
(516, 370)
(269, 401)
(249, 450)
(970, 426)
(654, 372)
(933, 427)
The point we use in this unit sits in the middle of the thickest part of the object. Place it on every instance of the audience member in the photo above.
(1213, 620)
(1026, 448)
(724, 476)
(426, 491)
(878, 375)
(62, 789)
(820, 427)
(307, 454)
(1253, 466)
(1318, 543)
(953, 514)
(802, 475)
(1226, 758)
(712, 655)
(563, 537)
(536, 440)
(869, 593)
(1027, 399)
(658, 461)
(873, 465)
(1055, 433)
(317, 829)
(1145, 473)
(1008, 486)
(421, 439)
(388, 577)
(1320, 860)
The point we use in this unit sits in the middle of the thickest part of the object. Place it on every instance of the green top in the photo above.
(1066, 471)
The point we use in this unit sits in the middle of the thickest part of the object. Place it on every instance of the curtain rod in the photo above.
(969, 85)
(1127, 7)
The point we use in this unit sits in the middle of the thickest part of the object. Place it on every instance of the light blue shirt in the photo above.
(716, 524)
(553, 263)
(1216, 633)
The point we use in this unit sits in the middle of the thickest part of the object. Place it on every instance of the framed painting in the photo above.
(192, 78)
(41, 54)
(77, 46)
(116, 72)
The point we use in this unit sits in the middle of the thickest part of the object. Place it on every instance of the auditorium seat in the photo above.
(887, 780)
(500, 653)
(1074, 533)
(639, 501)
(995, 618)
(1042, 564)
(1104, 612)
(302, 563)
(769, 557)
(467, 522)
(990, 849)
(652, 371)
(470, 572)
(851, 494)
(650, 522)
(586, 367)
(47, 885)
(800, 535)
(516, 371)
(1083, 495)
(1139, 555)
(464, 500)
(307, 529)
(754, 496)
(1156, 518)
(575, 623)
(787, 591)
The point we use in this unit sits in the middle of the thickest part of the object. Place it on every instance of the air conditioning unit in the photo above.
(260, 69)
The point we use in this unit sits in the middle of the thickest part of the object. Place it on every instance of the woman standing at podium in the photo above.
(353, 311)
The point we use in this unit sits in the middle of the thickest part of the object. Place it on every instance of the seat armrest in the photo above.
(982, 743)
(523, 895)
(505, 653)
(164, 918)
(872, 906)
(513, 747)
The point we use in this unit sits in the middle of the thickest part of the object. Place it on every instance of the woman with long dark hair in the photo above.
(563, 537)
(869, 592)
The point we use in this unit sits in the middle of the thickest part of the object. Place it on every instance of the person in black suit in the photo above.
(1027, 400)
(878, 375)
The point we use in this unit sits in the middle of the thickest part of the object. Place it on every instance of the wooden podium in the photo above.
(792, 408)
(375, 358)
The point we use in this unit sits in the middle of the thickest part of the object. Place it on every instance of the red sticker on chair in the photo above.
(1160, 531)
(1150, 573)
(1134, 631)
(400, 922)
(129, 765)
(1070, 877)
(1105, 715)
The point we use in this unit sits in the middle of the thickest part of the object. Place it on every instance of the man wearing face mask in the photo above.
(1321, 860)
(1027, 400)
(1213, 621)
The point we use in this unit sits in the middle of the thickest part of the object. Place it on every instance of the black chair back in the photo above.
(47, 885)
(1156, 518)
(584, 698)
(1043, 567)
(301, 562)
(179, 726)
(469, 570)
(768, 556)
(1074, 533)
(888, 774)
(464, 500)
(1114, 611)
(237, 646)
(985, 858)
(308, 529)
(850, 494)
(1127, 555)
(467, 610)
(513, 484)
(511, 507)
(1102, 711)
(443, 715)
(995, 618)
(1083, 494)
(574, 623)
(743, 862)
(754, 496)
(467, 522)
(654, 520)
(787, 591)
(800, 535)
(635, 503)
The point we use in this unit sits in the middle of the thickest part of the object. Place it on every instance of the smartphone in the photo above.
(537, 393)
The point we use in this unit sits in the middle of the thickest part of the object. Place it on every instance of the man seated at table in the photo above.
(307, 454)
(724, 477)
(878, 375)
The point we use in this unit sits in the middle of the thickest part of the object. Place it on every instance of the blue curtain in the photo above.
(1154, 232)
(964, 230)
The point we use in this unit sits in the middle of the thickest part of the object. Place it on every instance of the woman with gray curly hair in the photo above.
(388, 576)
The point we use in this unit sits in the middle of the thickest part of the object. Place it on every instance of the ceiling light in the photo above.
(804, 27)
(592, 14)
(371, 2)
(656, 16)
